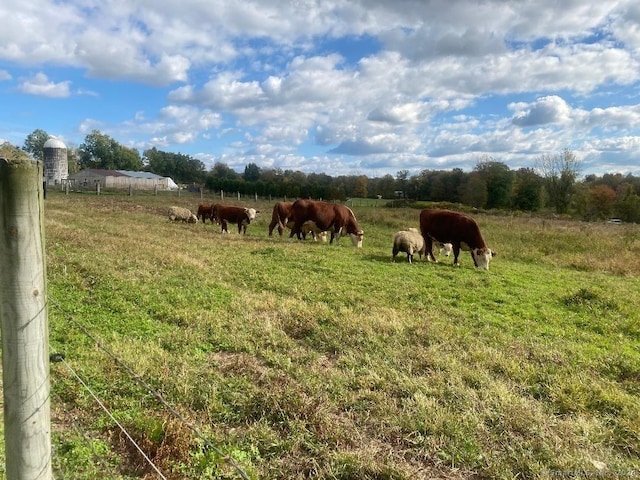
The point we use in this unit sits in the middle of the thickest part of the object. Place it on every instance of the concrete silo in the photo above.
(56, 165)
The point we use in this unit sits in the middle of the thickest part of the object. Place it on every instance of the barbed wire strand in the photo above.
(152, 391)
(95, 397)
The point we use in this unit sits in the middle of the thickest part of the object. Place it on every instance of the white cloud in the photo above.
(545, 110)
(40, 85)
(407, 88)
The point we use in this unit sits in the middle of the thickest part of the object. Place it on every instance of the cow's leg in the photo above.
(297, 228)
(456, 253)
(339, 234)
(428, 241)
(473, 257)
(223, 224)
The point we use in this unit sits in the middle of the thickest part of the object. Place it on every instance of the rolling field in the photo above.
(226, 356)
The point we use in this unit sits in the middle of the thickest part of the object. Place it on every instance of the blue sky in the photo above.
(342, 87)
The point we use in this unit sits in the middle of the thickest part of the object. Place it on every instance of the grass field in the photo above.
(308, 360)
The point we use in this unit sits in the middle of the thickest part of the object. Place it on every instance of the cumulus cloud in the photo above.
(544, 110)
(397, 114)
(40, 85)
(375, 82)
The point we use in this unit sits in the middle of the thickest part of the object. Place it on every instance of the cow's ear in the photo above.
(493, 253)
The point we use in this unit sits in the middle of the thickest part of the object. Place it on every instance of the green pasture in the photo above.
(307, 360)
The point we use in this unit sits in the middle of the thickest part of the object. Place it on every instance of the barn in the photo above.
(121, 179)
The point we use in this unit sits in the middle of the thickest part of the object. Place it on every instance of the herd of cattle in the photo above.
(447, 230)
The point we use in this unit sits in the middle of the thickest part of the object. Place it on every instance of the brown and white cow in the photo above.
(330, 217)
(241, 216)
(282, 217)
(205, 211)
(461, 231)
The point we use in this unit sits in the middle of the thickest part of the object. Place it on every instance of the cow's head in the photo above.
(482, 257)
(356, 238)
(251, 214)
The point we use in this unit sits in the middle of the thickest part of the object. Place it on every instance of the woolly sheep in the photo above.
(409, 241)
(445, 248)
(183, 214)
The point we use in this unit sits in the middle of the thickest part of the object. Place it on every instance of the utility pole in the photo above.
(23, 311)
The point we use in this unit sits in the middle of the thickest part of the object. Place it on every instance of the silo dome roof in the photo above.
(54, 143)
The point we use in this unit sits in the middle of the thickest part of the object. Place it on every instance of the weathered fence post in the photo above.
(23, 309)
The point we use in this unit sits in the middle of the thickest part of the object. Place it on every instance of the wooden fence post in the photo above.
(23, 310)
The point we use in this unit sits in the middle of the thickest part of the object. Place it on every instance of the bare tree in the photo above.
(560, 172)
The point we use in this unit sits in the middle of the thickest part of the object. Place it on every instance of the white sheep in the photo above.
(182, 214)
(445, 248)
(311, 227)
(409, 241)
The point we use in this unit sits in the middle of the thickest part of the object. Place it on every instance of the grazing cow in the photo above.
(241, 216)
(329, 217)
(461, 231)
(205, 210)
(282, 216)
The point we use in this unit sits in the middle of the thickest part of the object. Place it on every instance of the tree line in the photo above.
(553, 185)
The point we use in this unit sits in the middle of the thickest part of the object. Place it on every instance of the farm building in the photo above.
(91, 177)
(56, 165)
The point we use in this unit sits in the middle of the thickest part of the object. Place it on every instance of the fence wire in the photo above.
(206, 442)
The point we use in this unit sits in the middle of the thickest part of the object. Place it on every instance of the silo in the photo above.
(56, 166)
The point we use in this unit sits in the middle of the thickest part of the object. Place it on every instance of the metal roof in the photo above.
(129, 173)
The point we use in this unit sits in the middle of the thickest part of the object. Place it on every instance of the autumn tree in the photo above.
(601, 201)
(360, 189)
